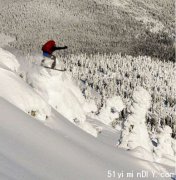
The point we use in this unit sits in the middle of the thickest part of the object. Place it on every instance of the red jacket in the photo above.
(49, 47)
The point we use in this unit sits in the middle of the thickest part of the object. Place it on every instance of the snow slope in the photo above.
(16, 91)
(54, 148)
(35, 89)
(59, 90)
(32, 150)
(8, 60)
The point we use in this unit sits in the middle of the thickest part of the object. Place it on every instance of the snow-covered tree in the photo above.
(166, 145)
(111, 109)
(134, 133)
(116, 75)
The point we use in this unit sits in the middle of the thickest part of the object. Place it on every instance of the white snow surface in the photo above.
(59, 90)
(18, 92)
(166, 149)
(110, 111)
(57, 150)
(8, 60)
(54, 148)
(40, 88)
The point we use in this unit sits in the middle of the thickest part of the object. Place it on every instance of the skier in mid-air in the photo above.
(48, 48)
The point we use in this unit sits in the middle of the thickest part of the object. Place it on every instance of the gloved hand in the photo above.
(65, 47)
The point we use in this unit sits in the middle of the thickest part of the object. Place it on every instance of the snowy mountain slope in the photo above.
(59, 90)
(16, 91)
(23, 96)
(44, 117)
(55, 148)
(32, 150)
(8, 60)
(39, 88)
(91, 26)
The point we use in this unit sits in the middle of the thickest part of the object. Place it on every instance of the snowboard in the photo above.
(54, 69)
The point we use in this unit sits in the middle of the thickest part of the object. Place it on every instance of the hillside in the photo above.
(111, 75)
(107, 110)
(40, 141)
(32, 150)
(92, 26)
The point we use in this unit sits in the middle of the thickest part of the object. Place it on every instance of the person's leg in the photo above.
(45, 55)
(54, 63)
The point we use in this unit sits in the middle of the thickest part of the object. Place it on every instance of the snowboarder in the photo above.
(48, 49)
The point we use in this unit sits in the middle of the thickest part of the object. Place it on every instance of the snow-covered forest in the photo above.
(111, 75)
(53, 98)
(92, 26)
(108, 108)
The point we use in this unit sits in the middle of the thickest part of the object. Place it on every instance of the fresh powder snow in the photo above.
(44, 125)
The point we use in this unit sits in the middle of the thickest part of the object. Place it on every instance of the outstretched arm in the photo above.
(59, 48)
